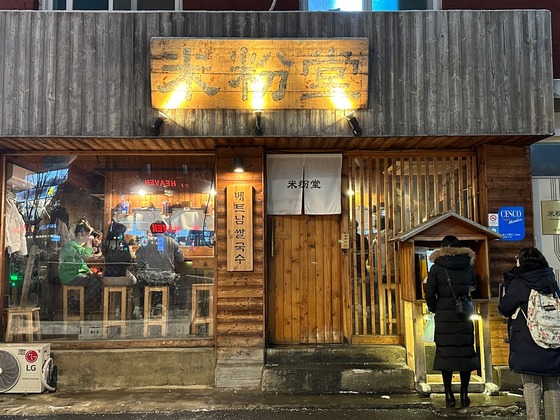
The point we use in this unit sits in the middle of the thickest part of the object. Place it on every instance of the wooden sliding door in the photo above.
(304, 288)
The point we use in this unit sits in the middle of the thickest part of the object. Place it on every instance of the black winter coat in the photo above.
(525, 356)
(454, 337)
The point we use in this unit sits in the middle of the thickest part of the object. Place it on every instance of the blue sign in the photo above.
(511, 222)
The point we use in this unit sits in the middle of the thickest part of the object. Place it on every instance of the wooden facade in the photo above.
(455, 99)
(432, 73)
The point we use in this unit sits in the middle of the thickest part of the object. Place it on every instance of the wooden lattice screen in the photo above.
(391, 194)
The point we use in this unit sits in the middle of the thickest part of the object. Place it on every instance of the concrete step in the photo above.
(332, 378)
(337, 369)
(336, 355)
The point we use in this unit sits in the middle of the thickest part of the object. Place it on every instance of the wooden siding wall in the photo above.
(432, 73)
(498, 166)
(239, 302)
(240, 294)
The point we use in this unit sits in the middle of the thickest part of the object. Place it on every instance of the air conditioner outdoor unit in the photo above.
(26, 368)
(18, 177)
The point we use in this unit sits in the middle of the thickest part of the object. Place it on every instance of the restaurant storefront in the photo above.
(352, 128)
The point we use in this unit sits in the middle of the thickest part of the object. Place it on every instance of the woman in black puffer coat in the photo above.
(539, 367)
(454, 336)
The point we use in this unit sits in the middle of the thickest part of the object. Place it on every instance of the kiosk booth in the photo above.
(414, 247)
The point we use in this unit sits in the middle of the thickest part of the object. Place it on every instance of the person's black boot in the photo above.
(449, 398)
(465, 400)
(465, 379)
(447, 375)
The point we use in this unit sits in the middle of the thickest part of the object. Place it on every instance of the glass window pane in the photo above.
(149, 271)
(544, 159)
(121, 4)
(91, 5)
(156, 4)
(59, 4)
(385, 5)
(413, 5)
(344, 5)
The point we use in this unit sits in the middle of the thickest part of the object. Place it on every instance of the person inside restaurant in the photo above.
(73, 269)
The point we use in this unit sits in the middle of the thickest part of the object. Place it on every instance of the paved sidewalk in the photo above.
(165, 400)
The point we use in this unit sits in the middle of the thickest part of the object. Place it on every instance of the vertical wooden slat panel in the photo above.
(460, 175)
(279, 279)
(373, 220)
(297, 299)
(329, 249)
(355, 305)
(304, 289)
(452, 189)
(337, 287)
(427, 184)
(419, 192)
(362, 263)
(476, 213)
(287, 278)
(400, 184)
(319, 278)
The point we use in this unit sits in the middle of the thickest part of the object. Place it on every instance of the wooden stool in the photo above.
(197, 318)
(66, 289)
(23, 322)
(110, 300)
(150, 320)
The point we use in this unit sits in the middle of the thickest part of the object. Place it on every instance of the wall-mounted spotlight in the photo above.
(353, 123)
(238, 165)
(258, 127)
(155, 129)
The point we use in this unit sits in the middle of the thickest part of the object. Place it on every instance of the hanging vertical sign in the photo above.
(239, 228)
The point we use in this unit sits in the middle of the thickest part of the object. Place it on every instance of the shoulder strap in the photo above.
(556, 289)
(449, 282)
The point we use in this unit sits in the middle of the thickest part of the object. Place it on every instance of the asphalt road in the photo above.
(280, 414)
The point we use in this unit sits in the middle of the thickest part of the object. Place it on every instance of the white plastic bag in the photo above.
(429, 329)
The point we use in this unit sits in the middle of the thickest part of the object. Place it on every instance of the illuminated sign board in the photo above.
(259, 74)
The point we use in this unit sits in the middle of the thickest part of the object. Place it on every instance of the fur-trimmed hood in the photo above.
(449, 251)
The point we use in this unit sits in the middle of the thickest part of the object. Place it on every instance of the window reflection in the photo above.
(139, 229)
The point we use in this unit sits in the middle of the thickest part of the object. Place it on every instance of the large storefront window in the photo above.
(109, 247)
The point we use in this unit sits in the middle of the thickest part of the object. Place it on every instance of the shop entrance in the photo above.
(304, 288)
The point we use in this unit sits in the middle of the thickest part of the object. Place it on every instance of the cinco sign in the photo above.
(512, 223)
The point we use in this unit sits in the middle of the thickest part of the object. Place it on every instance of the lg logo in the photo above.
(31, 356)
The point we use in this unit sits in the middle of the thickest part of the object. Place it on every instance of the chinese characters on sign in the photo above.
(201, 73)
(550, 214)
(303, 183)
(239, 228)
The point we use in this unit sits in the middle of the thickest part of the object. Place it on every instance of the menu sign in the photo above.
(239, 228)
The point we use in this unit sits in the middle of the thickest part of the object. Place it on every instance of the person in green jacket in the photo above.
(73, 269)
